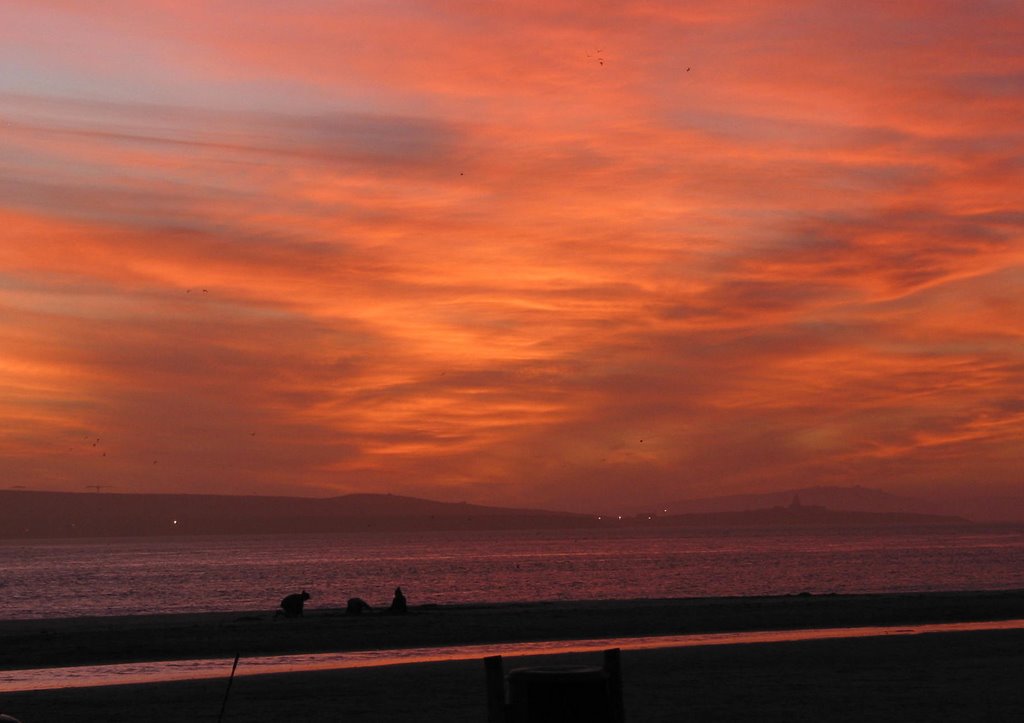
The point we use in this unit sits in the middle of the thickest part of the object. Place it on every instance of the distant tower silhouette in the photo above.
(795, 504)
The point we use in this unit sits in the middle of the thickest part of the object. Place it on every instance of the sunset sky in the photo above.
(576, 255)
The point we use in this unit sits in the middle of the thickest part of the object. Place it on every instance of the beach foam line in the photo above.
(92, 676)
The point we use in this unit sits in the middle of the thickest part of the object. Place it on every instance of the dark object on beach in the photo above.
(291, 605)
(398, 604)
(356, 606)
(231, 679)
(556, 693)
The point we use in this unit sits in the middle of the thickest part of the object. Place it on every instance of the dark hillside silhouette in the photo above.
(28, 514)
(856, 498)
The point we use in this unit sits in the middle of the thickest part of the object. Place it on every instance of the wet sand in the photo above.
(947, 676)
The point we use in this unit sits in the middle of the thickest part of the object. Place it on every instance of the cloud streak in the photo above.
(481, 252)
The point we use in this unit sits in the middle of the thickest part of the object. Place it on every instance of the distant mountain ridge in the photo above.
(980, 508)
(29, 514)
(388, 504)
(860, 499)
(797, 514)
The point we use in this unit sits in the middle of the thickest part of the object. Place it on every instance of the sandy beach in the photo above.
(948, 676)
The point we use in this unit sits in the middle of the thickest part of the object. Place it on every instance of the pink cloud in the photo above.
(480, 251)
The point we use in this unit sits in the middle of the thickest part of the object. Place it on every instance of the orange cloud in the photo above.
(481, 251)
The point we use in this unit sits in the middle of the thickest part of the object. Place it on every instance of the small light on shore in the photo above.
(175, 522)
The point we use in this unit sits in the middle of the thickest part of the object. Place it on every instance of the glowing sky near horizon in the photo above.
(562, 254)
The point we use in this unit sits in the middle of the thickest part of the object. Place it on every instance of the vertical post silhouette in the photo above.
(231, 679)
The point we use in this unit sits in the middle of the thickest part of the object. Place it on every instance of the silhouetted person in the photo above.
(292, 604)
(398, 604)
(356, 606)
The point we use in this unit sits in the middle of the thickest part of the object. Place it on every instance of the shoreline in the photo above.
(170, 671)
(950, 676)
(93, 641)
(964, 676)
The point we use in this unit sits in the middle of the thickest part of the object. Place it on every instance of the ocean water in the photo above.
(69, 578)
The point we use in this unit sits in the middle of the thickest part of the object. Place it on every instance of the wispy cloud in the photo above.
(546, 253)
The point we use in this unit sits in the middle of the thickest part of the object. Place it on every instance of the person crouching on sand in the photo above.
(291, 605)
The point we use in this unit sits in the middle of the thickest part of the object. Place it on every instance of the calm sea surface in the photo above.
(65, 578)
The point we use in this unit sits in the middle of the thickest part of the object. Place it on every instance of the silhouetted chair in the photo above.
(555, 693)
